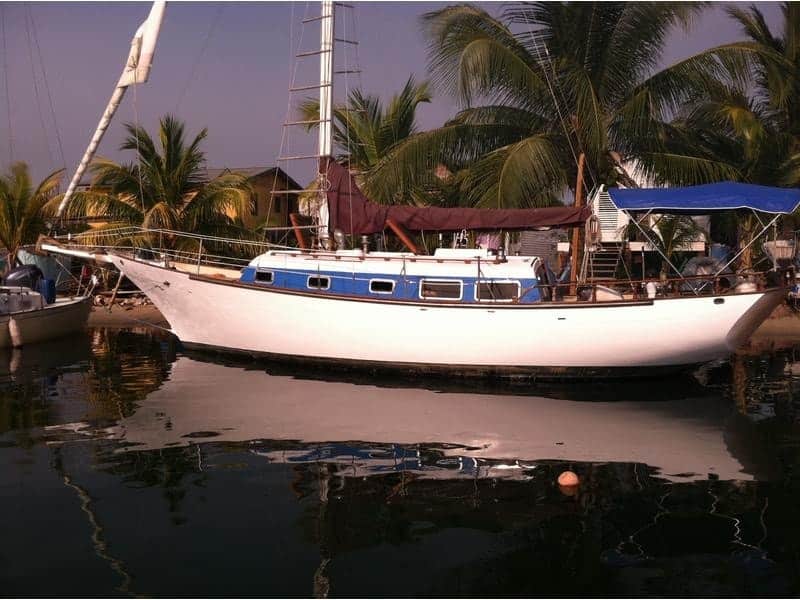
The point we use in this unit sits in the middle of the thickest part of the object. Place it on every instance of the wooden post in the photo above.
(576, 231)
(116, 289)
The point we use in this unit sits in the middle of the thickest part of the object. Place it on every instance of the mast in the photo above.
(326, 80)
(325, 139)
(137, 70)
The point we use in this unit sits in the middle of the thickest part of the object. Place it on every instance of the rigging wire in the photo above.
(346, 69)
(550, 86)
(553, 87)
(284, 148)
(284, 130)
(193, 71)
(5, 77)
(36, 88)
(46, 86)
(138, 149)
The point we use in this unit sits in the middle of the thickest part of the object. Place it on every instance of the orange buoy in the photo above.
(568, 479)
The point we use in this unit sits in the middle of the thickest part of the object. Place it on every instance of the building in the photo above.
(265, 182)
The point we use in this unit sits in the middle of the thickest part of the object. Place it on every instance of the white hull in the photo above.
(63, 317)
(492, 339)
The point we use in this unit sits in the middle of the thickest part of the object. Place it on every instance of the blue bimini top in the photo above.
(702, 199)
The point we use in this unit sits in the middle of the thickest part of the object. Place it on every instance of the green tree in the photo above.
(165, 188)
(670, 234)
(364, 130)
(22, 208)
(753, 126)
(554, 79)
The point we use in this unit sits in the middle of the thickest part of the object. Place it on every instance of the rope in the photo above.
(5, 76)
(46, 86)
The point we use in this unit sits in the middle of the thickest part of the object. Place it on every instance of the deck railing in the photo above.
(169, 246)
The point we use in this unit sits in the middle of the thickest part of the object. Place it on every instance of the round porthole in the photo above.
(719, 300)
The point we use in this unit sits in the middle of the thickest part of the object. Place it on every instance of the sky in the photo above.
(225, 66)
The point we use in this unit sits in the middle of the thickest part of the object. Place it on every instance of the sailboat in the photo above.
(458, 311)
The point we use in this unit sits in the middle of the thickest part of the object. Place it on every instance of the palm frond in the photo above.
(522, 175)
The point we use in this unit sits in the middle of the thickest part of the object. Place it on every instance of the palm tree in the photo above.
(556, 79)
(364, 130)
(166, 188)
(22, 206)
(670, 234)
(754, 127)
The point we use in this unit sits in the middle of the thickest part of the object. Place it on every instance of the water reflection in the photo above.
(135, 468)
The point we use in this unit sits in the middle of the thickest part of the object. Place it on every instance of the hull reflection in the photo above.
(309, 420)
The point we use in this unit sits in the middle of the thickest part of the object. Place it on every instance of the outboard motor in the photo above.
(30, 276)
(25, 276)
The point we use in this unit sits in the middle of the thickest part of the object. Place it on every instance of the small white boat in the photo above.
(28, 316)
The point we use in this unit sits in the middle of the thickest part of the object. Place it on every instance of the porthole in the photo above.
(381, 286)
(319, 283)
(265, 276)
(440, 290)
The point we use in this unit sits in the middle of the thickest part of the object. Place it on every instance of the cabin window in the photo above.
(265, 276)
(440, 290)
(497, 291)
(319, 283)
(381, 286)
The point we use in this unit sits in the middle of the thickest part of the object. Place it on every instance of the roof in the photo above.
(211, 173)
(250, 172)
(711, 197)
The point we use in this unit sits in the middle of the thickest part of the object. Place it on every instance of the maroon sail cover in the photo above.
(355, 214)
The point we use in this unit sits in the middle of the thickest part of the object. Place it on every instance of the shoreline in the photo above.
(121, 316)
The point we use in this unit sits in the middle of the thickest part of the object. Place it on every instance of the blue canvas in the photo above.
(701, 199)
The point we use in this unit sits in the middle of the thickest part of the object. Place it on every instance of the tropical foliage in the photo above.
(165, 188)
(669, 234)
(553, 80)
(752, 128)
(364, 130)
(22, 208)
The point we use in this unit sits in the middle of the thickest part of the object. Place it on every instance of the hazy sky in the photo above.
(225, 66)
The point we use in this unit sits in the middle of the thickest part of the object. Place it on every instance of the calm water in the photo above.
(130, 468)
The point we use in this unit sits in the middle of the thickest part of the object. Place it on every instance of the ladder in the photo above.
(604, 262)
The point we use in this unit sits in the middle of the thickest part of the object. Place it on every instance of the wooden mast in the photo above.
(576, 231)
